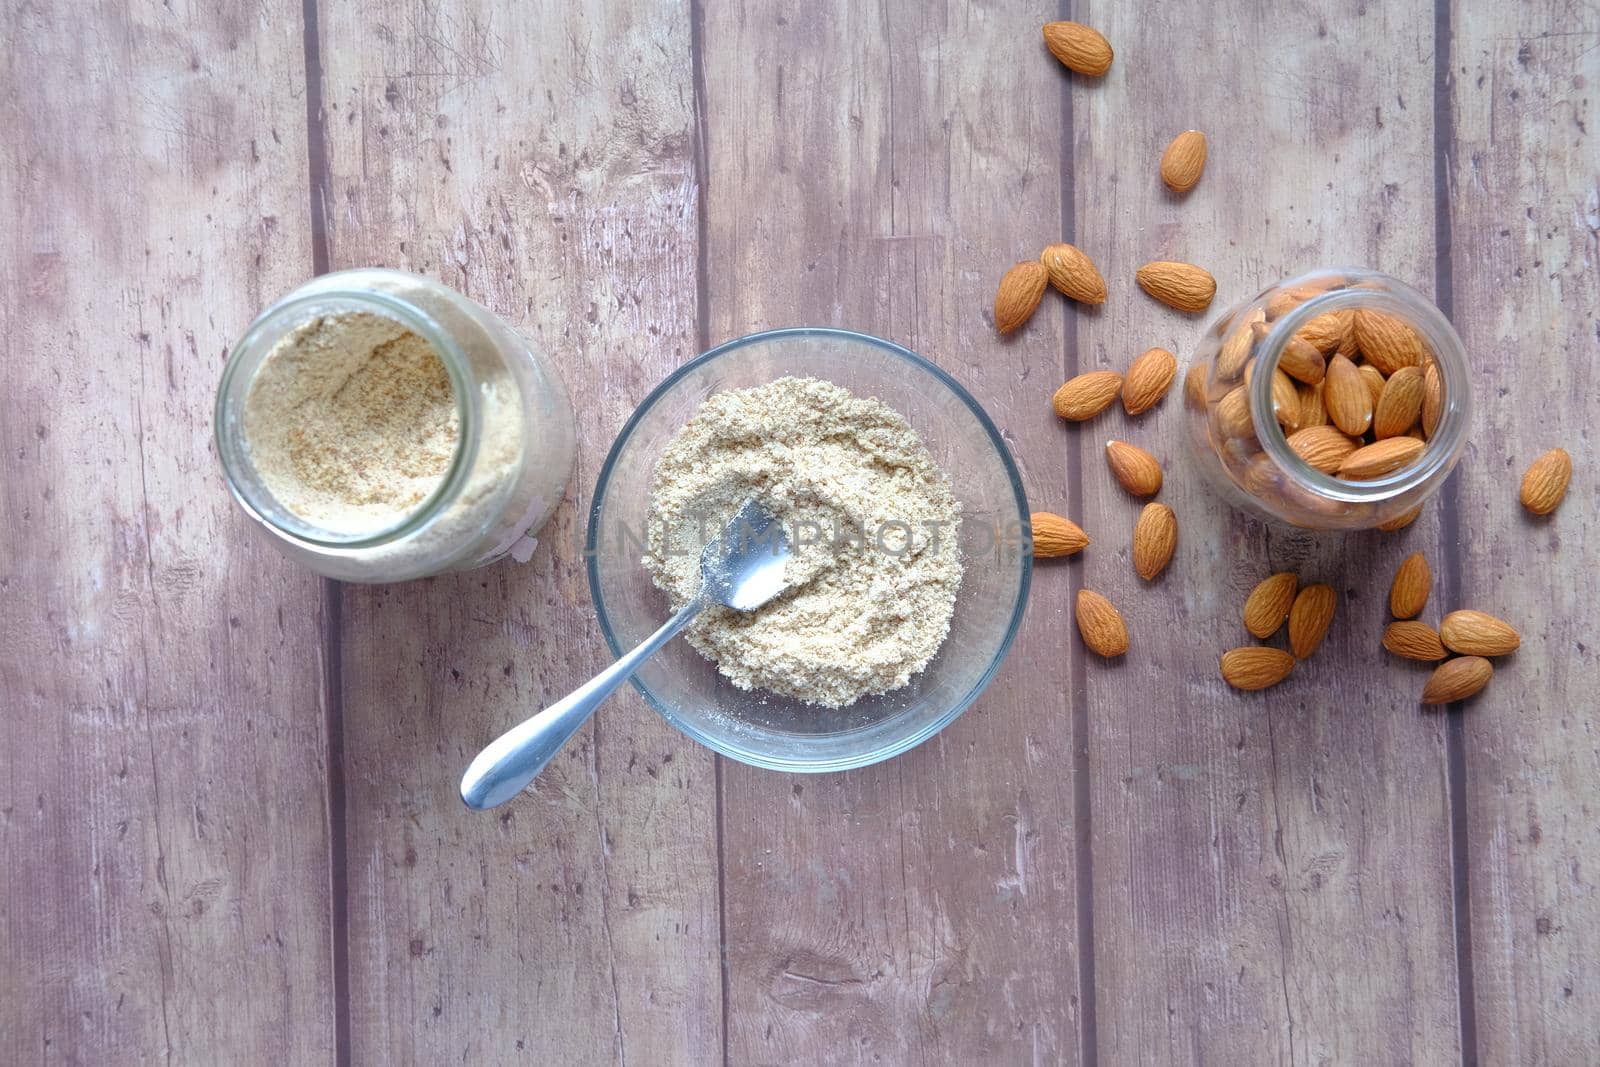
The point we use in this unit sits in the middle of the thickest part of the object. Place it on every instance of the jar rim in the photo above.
(252, 348)
(1449, 355)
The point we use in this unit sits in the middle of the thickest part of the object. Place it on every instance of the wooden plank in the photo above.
(165, 893)
(879, 167)
(1524, 212)
(1272, 877)
(541, 162)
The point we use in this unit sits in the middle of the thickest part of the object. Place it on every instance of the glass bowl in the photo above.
(761, 728)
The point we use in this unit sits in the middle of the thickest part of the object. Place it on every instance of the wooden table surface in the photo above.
(228, 823)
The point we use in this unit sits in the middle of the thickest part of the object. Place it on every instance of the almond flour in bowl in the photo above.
(872, 519)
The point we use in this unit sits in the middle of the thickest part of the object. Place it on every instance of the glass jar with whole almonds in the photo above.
(1337, 400)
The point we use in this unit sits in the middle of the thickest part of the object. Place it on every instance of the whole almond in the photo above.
(1101, 625)
(1312, 410)
(1239, 346)
(1137, 470)
(1183, 161)
(1078, 47)
(1194, 386)
(1301, 361)
(1345, 393)
(1408, 593)
(1374, 379)
(1255, 667)
(1402, 520)
(1155, 536)
(1327, 332)
(1414, 640)
(1545, 483)
(1073, 273)
(1087, 395)
(1380, 458)
(1322, 447)
(1432, 399)
(1178, 285)
(1149, 378)
(1310, 617)
(1387, 342)
(1477, 633)
(1268, 604)
(1457, 679)
(1285, 402)
(1054, 536)
(1019, 295)
(1233, 414)
(1286, 300)
(1400, 405)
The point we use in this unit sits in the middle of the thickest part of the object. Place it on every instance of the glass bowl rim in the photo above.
(801, 764)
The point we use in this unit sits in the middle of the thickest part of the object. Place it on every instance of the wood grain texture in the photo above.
(1525, 212)
(539, 161)
(163, 858)
(1272, 877)
(879, 167)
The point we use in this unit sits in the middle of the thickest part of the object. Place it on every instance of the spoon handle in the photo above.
(512, 760)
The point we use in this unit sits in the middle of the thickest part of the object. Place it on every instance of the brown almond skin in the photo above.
(1148, 379)
(1374, 379)
(1183, 286)
(1301, 361)
(1457, 679)
(1544, 485)
(1312, 410)
(1155, 537)
(1073, 273)
(1184, 161)
(1100, 625)
(1408, 593)
(1254, 667)
(1310, 617)
(1345, 394)
(1237, 348)
(1268, 604)
(1411, 639)
(1054, 536)
(1387, 342)
(1401, 521)
(1079, 47)
(1400, 404)
(1018, 296)
(1327, 332)
(1477, 633)
(1285, 402)
(1322, 447)
(1138, 471)
(1432, 399)
(1087, 395)
(1233, 414)
(1380, 458)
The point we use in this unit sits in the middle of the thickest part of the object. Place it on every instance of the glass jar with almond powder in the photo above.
(379, 427)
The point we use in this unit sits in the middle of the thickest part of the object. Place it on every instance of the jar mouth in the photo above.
(1445, 347)
(238, 376)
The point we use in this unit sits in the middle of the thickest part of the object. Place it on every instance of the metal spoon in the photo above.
(741, 569)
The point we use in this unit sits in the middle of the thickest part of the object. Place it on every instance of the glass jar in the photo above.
(513, 447)
(1244, 410)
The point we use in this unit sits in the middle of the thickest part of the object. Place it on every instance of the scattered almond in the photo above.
(1414, 640)
(1183, 161)
(1137, 470)
(1432, 399)
(1269, 603)
(1545, 483)
(1155, 536)
(1179, 285)
(1310, 617)
(1087, 395)
(1327, 332)
(1078, 47)
(1380, 458)
(1054, 536)
(1100, 625)
(1073, 273)
(1400, 404)
(1345, 394)
(1387, 342)
(1477, 633)
(1374, 379)
(1301, 360)
(1019, 295)
(1408, 593)
(1457, 679)
(1402, 520)
(1255, 667)
(1149, 378)
(1322, 447)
